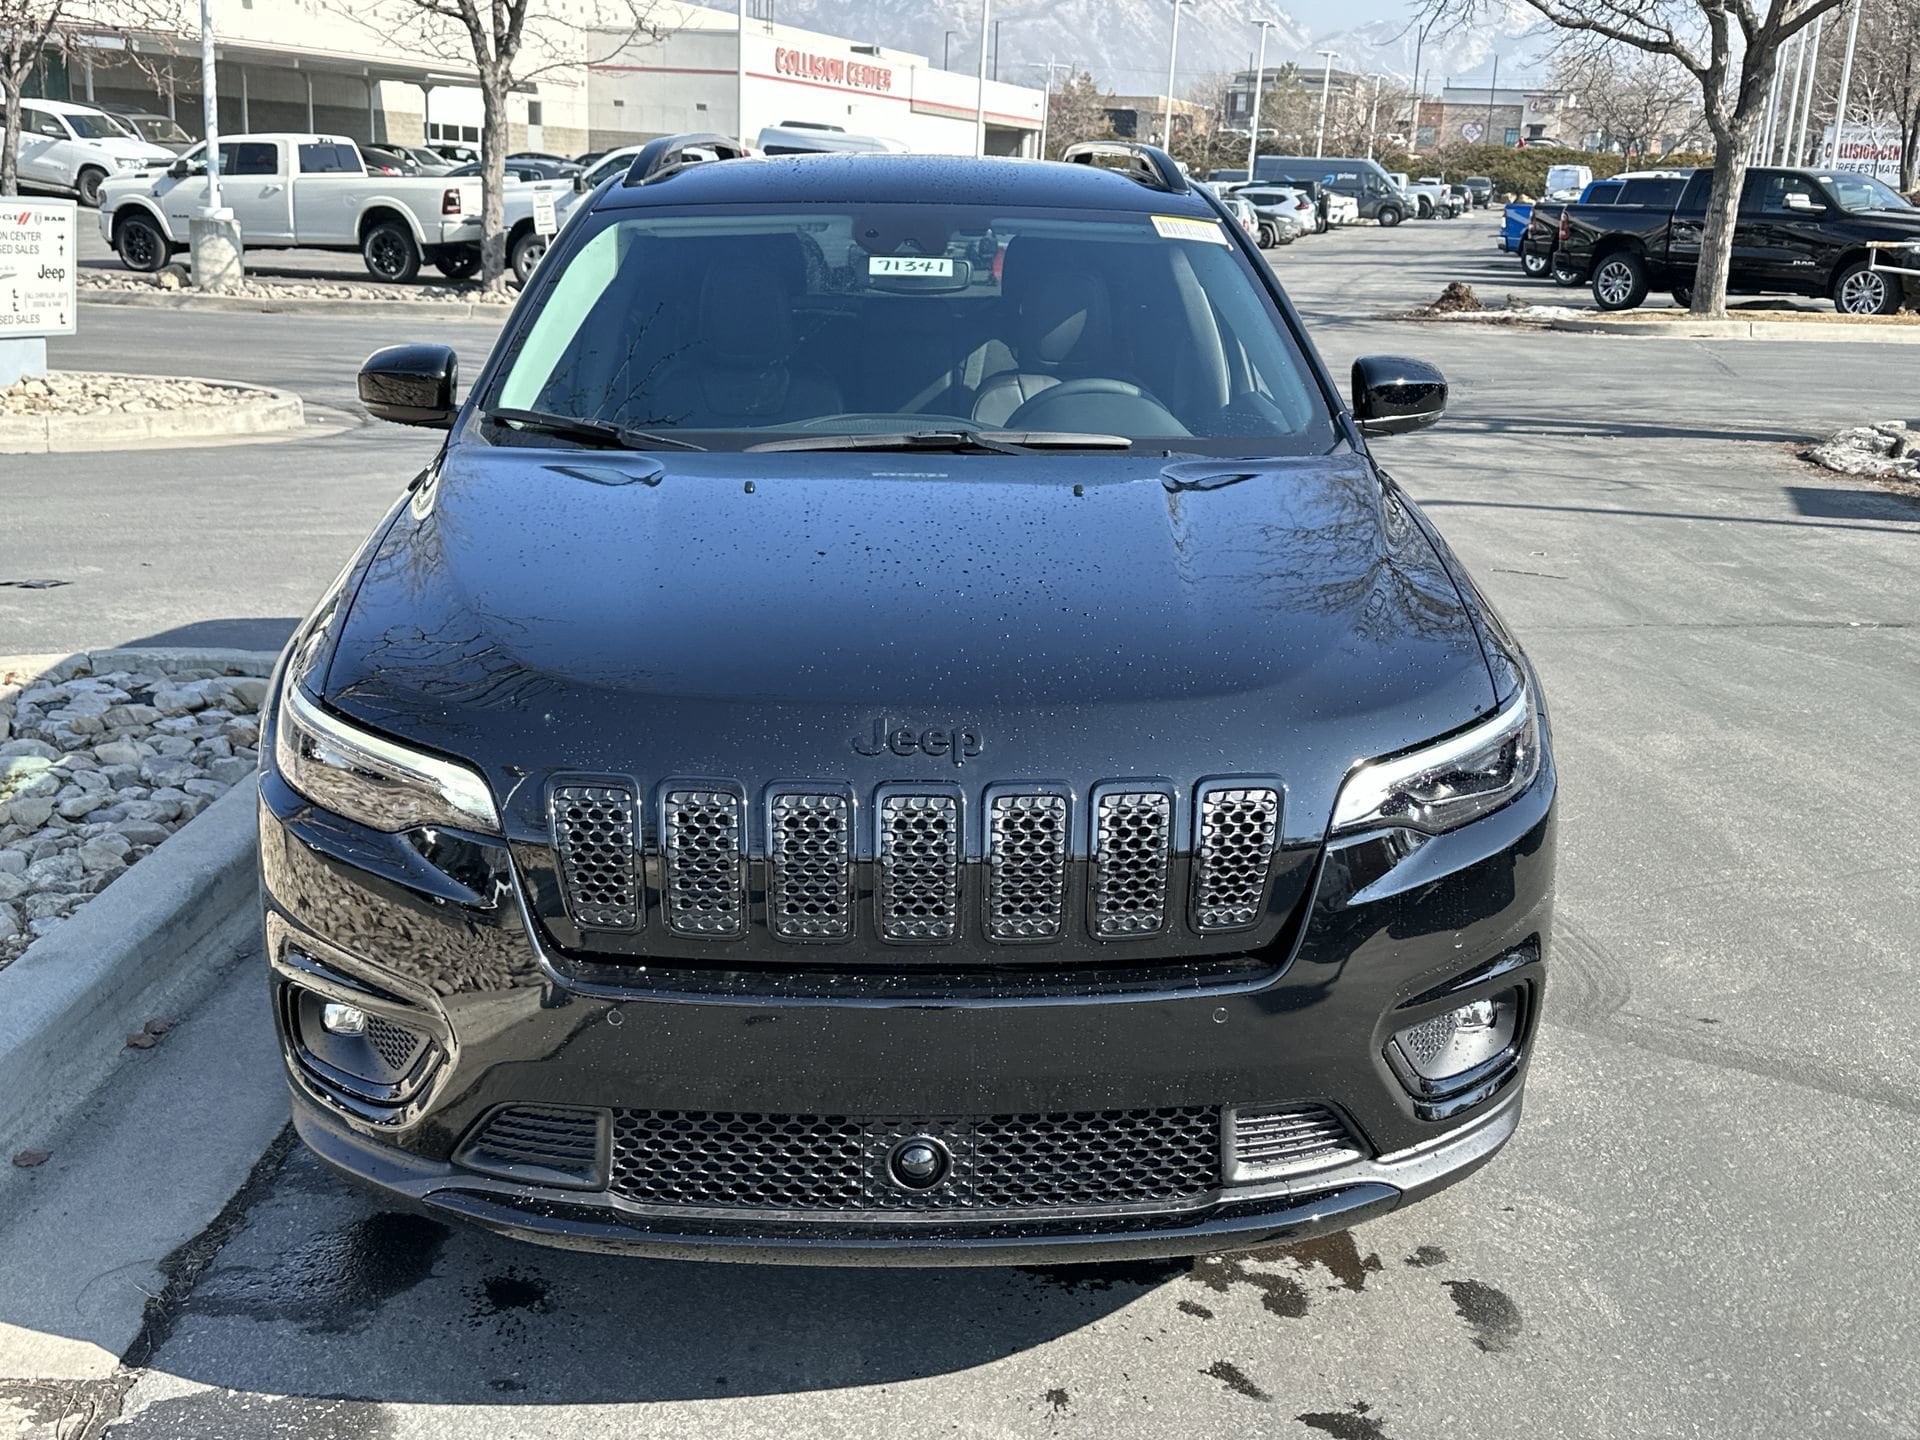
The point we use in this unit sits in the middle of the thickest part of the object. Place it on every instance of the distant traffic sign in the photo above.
(37, 265)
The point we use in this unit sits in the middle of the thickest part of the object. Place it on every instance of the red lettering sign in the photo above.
(831, 70)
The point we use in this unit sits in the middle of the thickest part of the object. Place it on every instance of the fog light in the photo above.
(343, 1019)
(1461, 1040)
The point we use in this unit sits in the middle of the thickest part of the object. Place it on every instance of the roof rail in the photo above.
(672, 153)
(1148, 164)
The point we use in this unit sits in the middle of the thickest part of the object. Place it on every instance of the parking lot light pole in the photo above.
(1793, 99)
(1259, 74)
(1326, 82)
(980, 105)
(1173, 62)
(213, 236)
(1806, 102)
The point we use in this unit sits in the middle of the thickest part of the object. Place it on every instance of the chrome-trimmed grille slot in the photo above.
(1027, 843)
(1286, 1140)
(594, 830)
(1133, 846)
(1239, 828)
(810, 853)
(919, 849)
(705, 869)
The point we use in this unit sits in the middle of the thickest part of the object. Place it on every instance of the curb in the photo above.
(1815, 331)
(264, 412)
(247, 305)
(149, 945)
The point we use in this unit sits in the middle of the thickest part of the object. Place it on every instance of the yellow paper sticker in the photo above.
(1180, 227)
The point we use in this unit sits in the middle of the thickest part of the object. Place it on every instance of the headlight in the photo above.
(370, 779)
(1448, 783)
(130, 164)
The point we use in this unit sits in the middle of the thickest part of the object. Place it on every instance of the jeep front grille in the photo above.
(810, 891)
(1027, 843)
(919, 867)
(1132, 843)
(593, 835)
(1287, 1139)
(718, 1160)
(1238, 829)
(705, 869)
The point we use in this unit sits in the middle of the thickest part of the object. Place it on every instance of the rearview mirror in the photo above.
(411, 385)
(1392, 394)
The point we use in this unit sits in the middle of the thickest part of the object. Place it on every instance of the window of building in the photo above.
(1426, 136)
(533, 112)
(1513, 135)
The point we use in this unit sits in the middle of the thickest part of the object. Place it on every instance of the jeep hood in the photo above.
(751, 616)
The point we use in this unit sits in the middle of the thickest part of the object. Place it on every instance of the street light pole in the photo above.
(1492, 85)
(1046, 104)
(1173, 60)
(1259, 74)
(1326, 83)
(740, 76)
(1793, 97)
(946, 50)
(210, 106)
(1373, 116)
(980, 105)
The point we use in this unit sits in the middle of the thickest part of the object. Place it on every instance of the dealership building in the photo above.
(314, 65)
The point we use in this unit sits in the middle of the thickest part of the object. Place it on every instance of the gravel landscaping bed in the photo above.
(465, 293)
(98, 769)
(77, 392)
(1888, 450)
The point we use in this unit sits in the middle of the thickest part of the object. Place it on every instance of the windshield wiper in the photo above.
(956, 442)
(589, 432)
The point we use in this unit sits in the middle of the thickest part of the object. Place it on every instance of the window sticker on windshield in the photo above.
(1179, 227)
(940, 265)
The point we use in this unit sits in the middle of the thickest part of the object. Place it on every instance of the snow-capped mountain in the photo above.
(1124, 42)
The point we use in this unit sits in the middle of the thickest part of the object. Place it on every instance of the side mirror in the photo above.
(411, 385)
(1796, 200)
(180, 169)
(1392, 394)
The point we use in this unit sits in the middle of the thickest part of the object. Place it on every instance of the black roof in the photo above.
(882, 179)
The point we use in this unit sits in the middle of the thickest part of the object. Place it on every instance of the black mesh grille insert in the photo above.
(396, 1045)
(593, 834)
(705, 874)
(1027, 867)
(811, 896)
(1132, 844)
(554, 1143)
(1084, 1159)
(1286, 1138)
(919, 867)
(1238, 827)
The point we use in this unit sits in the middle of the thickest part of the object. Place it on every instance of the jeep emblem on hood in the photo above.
(960, 743)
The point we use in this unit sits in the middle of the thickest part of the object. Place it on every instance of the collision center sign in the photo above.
(37, 267)
(832, 70)
(37, 264)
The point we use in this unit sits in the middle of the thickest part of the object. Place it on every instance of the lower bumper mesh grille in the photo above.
(722, 1160)
(1285, 1139)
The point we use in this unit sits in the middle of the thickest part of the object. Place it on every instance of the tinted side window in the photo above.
(45, 122)
(1782, 194)
(1651, 192)
(249, 158)
(1605, 195)
(328, 159)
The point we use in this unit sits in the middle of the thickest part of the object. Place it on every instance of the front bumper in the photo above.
(438, 940)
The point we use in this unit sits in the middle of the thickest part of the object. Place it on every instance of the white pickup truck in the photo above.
(289, 190)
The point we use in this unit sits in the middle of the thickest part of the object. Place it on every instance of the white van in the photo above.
(75, 147)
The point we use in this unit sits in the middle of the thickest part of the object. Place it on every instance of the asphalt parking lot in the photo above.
(1705, 1227)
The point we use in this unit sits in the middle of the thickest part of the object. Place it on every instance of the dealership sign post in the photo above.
(37, 289)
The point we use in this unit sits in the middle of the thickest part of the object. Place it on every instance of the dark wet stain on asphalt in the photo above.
(1280, 1294)
(509, 1291)
(1339, 1254)
(1057, 1398)
(1191, 1307)
(337, 1282)
(1351, 1424)
(1425, 1257)
(1105, 1277)
(1489, 1313)
(1231, 1376)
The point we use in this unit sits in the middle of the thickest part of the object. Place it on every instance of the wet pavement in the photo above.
(1706, 1224)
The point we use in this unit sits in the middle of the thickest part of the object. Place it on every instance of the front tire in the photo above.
(461, 265)
(1620, 281)
(1861, 290)
(390, 253)
(139, 243)
(527, 253)
(88, 183)
(1391, 215)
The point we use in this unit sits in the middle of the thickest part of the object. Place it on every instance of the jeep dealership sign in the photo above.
(37, 264)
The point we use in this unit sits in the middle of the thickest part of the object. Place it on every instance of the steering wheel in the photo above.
(1097, 406)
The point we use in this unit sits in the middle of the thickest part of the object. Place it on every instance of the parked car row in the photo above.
(1834, 234)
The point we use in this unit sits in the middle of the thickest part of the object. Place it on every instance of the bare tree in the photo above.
(1884, 98)
(1078, 112)
(1638, 103)
(509, 43)
(1730, 48)
(34, 31)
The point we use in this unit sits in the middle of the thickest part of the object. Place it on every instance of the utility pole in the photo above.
(980, 104)
(996, 47)
(1806, 105)
(1846, 85)
(1326, 83)
(1373, 115)
(1173, 61)
(1259, 74)
(213, 236)
(1764, 149)
(946, 50)
(1419, 46)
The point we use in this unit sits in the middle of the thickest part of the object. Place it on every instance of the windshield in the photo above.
(160, 129)
(90, 125)
(1863, 192)
(740, 326)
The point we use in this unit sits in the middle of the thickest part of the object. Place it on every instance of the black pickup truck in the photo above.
(1540, 244)
(1799, 232)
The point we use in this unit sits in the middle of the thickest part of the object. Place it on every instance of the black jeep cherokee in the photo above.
(905, 725)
